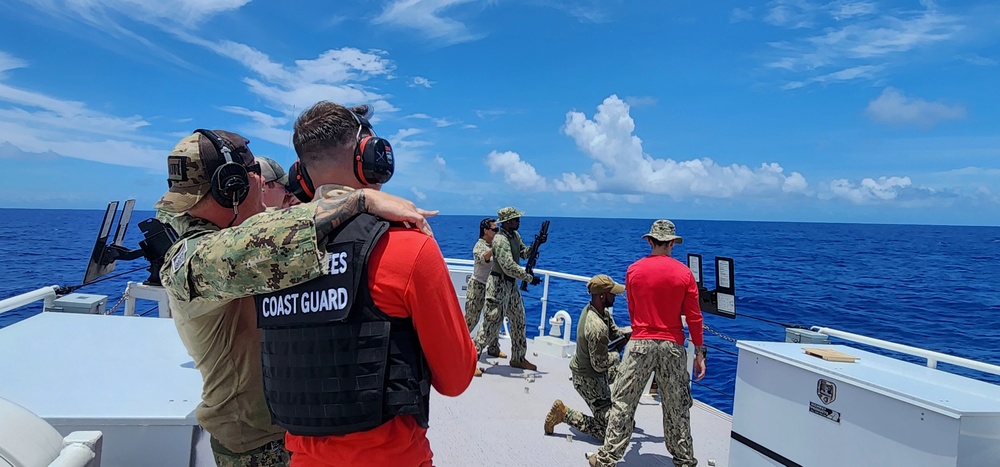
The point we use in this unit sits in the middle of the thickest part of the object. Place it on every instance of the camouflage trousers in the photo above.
(272, 454)
(668, 361)
(475, 299)
(503, 299)
(596, 392)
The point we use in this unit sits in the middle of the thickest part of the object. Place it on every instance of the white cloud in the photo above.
(861, 42)
(976, 59)
(426, 17)
(893, 107)
(440, 161)
(621, 165)
(421, 81)
(39, 123)
(739, 15)
(869, 190)
(419, 194)
(519, 174)
(188, 13)
(10, 62)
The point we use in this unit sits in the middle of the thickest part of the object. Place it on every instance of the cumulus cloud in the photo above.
(419, 194)
(422, 82)
(621, 165)
(893, 107)
(516, 172)
(869, 190)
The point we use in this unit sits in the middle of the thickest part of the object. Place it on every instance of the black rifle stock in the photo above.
(529, 267)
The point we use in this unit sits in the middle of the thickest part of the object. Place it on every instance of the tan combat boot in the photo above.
(524, 365)
(499, 354)
(479, 371)
(556, 416)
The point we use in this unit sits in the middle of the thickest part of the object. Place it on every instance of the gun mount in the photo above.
(722, 299)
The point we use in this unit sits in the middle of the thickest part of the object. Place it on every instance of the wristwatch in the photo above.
(701, 349)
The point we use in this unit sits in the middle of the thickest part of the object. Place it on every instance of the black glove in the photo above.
(543, 238)
(535, 280)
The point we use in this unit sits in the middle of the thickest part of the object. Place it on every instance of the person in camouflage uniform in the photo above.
(502, 295)
(475, 291)
(223, 257)
(593, 365)
(660, 290)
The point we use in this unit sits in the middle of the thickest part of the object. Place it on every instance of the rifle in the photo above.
(540, 238)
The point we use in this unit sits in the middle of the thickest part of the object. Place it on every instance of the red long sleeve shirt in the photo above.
(659, 290)
(408, 277)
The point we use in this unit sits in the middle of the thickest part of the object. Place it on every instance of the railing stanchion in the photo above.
(545, 305)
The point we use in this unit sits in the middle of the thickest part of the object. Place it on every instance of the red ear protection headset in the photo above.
(373, 161)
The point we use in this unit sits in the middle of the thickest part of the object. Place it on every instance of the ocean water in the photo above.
(935, 287)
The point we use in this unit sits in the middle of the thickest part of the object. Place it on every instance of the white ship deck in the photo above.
(496, 423)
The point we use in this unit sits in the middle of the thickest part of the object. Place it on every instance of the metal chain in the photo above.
(120, 301)
(723, 336)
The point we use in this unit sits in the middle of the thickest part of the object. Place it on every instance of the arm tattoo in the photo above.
(332, 212)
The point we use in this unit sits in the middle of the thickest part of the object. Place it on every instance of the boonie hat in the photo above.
(664, 231)
(508, 213)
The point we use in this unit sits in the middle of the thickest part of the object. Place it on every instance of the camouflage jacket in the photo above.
(503, 256)
(593, 333)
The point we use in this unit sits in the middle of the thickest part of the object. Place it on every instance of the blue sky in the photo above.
(842, 111)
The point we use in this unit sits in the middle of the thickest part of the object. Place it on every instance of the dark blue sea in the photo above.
(936, 287)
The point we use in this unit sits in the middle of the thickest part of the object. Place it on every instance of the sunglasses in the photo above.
(495, 229)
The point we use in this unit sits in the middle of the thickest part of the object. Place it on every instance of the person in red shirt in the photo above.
(350, 378)
(660, 290)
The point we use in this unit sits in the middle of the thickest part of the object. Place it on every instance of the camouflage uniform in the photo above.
(475, 294)
(594, 370)
(210, 275)
(668, 361)
(269, 455)
(502, 296)
(665, 359)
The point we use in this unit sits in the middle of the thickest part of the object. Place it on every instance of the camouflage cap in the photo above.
(272, 171)
(603, 283)
(508, 213)
(192, 163)
(664, 231)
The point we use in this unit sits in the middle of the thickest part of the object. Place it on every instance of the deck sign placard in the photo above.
(825, 412)
(827, 393)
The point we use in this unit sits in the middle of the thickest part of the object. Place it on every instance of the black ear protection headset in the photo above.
(299, 183)
(373, 161)
(230, 180)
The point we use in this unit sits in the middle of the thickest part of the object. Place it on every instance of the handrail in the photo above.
(932, 357)
(45, 293)
(547, 275)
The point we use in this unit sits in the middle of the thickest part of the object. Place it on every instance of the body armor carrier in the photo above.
(515, 251)
(333, 363)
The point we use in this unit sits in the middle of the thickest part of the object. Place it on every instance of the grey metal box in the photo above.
(80, 303)
(805, 336)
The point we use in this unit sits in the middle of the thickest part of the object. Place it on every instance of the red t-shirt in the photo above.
(659, 290)
(408, 277)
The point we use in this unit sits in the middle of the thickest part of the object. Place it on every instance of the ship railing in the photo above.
(547, 276)
(932, 357)
(46, 294)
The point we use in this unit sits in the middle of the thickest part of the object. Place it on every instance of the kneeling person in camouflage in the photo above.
(593, 366)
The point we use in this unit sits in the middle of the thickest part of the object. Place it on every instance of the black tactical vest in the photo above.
(333, 363)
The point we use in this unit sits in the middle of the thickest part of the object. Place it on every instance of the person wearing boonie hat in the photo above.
(593, 365)
(660, 291)
(212, 271)
(503, 298)
(275, 179)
